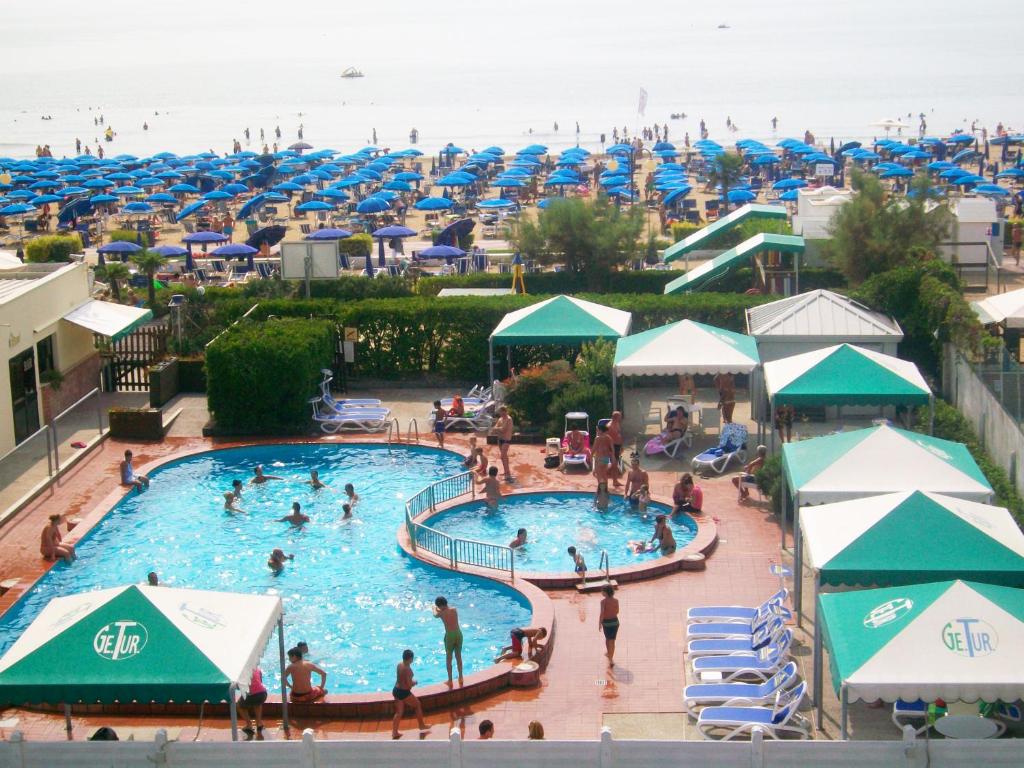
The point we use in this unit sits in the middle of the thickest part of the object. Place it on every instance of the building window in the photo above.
(44, 354)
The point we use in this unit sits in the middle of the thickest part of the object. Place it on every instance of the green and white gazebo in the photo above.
(681, 348)
(871, 542)
(560, 320)
(843, 375)
(867, 462)
(952, 640)
(142, 644)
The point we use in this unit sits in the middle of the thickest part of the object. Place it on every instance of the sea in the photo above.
(480, 72)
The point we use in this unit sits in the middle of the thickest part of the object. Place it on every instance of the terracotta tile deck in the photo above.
(577, 689)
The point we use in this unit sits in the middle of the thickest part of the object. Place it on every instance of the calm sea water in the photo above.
(481, 73)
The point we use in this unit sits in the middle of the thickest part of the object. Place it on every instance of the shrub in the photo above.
(530, 394)
(950, 424)
(769, 480)
(260, 375)
(552, 283)
(594, 364)
(144, 239)
(53, 248)
(357, 245)
(592, 399)
(355, 287)
(683, 229)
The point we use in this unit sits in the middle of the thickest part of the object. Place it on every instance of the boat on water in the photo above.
(352, 72)
(723, 26)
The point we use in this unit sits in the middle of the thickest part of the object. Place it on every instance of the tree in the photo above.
(874, 233)
(149, 262)
(590, 238)
(726, 172)
(113, 273)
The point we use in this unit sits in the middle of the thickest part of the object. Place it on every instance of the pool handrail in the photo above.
(413, 428)
(394, 426)
(480, 554)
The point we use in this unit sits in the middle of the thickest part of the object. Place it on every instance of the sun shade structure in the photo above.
(140, 643)
(700, 238)
(115, 321)
(951, 640)
(867, 462)
(864, 542)
(560, 320)
(734, 258)
(683, 347)
(1006, 308)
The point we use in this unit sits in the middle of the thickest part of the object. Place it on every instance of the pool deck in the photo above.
(578, 694)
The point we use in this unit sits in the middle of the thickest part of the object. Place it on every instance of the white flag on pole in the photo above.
(642, 104)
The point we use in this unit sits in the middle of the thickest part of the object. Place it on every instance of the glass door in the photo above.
(24, 397)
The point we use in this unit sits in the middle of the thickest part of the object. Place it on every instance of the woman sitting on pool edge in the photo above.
(50, 545)
(128, 476)
(687, 496)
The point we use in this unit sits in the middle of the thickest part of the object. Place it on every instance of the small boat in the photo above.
(352, 72)
(723, 26)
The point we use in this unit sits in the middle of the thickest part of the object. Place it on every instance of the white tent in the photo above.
(1005, 308)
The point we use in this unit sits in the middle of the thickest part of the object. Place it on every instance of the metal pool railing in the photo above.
(456, 551)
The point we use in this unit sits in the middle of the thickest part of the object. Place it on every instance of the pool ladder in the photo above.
(604, 565)
(412, 429)
(394, 428)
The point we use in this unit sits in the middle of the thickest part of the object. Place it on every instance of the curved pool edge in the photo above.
(692, 557)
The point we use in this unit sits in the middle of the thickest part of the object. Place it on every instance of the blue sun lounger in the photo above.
(781, 719)
(705, 694)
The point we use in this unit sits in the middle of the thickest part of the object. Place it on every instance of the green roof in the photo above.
(734, 258)
(701, 237)
(561, 320)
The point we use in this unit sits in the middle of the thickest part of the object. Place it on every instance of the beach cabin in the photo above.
(815, 209)
(976, 224)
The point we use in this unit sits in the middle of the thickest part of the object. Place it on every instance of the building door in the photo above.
(24, 397)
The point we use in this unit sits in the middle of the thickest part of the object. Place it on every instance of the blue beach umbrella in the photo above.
(217, 194)
(960, 138)
(314, 205)
(137, 207)
(329, 233)
(102, 199)
(441, 252)
(287, 186)
(205, 237)
(161, 197)
(169, 251)
(433, 204)
(183, 189)
(398, 186)
(741, 196)
(897, 173)
(119, 246)
(44, 199)
(677, 194)
(17, 209)
(495, 203)
(188, 210)
(98, 184)
(992, 189)
(790, 196)
(785, 184)
(333, 194)
(373, 205)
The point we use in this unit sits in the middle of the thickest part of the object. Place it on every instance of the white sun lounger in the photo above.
(363, 419)
(776, 721)
(721, 646)
(712, 629)
(706, 694)
(735, 612)
(740, 666)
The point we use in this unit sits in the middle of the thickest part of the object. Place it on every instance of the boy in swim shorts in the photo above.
(452, 635)
(440, 414)
(403, 695)
(298, 677)
(578, 563)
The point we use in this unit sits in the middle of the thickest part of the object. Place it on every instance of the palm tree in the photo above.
(726, 171)
(114, 272)
(149, 263)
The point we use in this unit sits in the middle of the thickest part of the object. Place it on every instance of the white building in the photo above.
(815, 209)
(47, 327)
(975, 220)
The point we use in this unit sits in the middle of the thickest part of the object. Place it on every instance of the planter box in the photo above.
(136, 423)
(163, 382)
(192, 374)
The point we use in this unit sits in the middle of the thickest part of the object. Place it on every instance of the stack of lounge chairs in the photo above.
(348, 415)
(479, 408)
(740, 656)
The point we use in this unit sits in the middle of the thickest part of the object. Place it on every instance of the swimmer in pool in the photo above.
(519, 540)
(347, 510)
(492, 488)
(314, 480)
(296, 517)
(259, 478)
(350, 492)
(230, 505)
(276, 561)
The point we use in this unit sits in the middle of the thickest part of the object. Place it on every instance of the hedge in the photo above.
(131, 236)
(552, 283)
(52, 248)
(360, 245)
(261, 375)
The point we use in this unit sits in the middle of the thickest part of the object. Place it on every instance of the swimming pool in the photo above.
(556, 521)
(351, 593)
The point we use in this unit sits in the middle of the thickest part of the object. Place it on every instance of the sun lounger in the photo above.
(348, 404)
(780, 719)
(759, 666)
(721, 646)
(914, 713)
(705, 694)
(364, 419)
(581, 459)
(735, 612)
(715, 629)
(475, 418)
(732, 444)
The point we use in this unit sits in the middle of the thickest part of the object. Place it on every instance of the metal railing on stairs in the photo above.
(456, 551)
(412, 429)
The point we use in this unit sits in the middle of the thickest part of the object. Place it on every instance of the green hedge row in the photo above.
(52, 248)
(260, 375)
(551, 283)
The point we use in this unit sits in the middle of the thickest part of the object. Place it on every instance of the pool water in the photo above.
(556, 521)
(351, 593)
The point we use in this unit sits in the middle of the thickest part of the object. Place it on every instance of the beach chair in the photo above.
(305, 228)
(779, 720)
(766, 635)
(705, 694)
(732, 444)
(912, 713)
(671, 448)
(354, 419)
(736, 612)
(581, 458)
(477, 417)
(264, 270)
(719, 629)
(239, 274)
(743, 666)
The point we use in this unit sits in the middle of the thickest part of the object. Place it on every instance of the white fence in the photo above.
(454, 753)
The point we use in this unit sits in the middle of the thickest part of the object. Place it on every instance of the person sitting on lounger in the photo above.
(678, 421)
(532, 636)
(458, 407)
(744, 479)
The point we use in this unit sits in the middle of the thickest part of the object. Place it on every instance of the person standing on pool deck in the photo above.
(440, 414)
(404, 683)
(726, 386)
(452, 636)
(504, 428)
(608, 622)
(128, 476)
(604, 452)
(615, 433)
(300, 673)
(259, 478)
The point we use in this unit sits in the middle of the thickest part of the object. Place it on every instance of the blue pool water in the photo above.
(351, 593)
(556, 521)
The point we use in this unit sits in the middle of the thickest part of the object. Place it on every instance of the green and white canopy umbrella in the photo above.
(140, 643)
(560, 320)
(1006, 308)
(681, 348)
(867, 462)
(843, 375)
(952, 640)
(871, 542)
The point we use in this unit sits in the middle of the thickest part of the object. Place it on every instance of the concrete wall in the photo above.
(33, 315)
(308, 752)
(998, 431)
